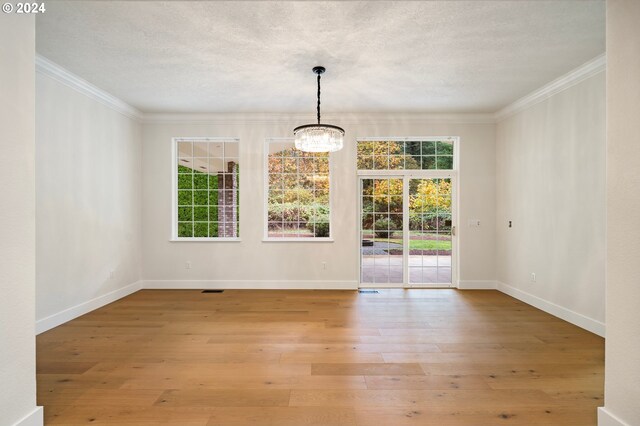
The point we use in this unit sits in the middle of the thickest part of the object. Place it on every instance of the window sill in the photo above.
(298, 240)
(204, 240)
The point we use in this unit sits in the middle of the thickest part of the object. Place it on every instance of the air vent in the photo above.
(212, 291)
(368, 291)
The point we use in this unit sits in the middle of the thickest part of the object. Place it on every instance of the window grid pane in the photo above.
(208, 192)
(409, 155)
(298, 192)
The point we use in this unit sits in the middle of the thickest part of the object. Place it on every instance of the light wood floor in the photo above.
(295, 358)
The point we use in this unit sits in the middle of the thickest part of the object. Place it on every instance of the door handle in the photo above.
(453, 230)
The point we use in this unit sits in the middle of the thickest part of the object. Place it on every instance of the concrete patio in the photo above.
(377, 266)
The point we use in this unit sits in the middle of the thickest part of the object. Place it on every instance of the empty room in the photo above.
(330, 213)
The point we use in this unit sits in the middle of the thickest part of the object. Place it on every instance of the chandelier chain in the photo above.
(318, 98)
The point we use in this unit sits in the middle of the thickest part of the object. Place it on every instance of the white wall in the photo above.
(622, 370)
(551, 185)
(253, 260)
(17, 221)
(88, 187)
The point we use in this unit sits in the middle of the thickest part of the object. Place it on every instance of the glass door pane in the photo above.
(430, 231)
(381, 232)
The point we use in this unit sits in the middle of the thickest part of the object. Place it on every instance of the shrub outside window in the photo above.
(207, 189)
(297, 193)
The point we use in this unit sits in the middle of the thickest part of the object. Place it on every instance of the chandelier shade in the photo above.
(319, 137)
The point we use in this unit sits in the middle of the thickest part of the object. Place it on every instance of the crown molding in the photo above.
(588, 69)
(297, 118)
(62, 75)
(51, 69)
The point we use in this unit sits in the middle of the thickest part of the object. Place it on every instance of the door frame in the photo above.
(407, 175)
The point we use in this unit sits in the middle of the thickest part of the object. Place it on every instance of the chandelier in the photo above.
(319, 137)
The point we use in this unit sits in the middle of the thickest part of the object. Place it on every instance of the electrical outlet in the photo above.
(533, 277)
(187, 264)
(324, 265)
(111, 274)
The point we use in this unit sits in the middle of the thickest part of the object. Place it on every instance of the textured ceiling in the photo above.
(433, 56)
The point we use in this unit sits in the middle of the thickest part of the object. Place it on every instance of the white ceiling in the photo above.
(402, 56)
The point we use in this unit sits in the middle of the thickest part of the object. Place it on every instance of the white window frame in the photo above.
(174, 188)
(406, 175)
(265, 215)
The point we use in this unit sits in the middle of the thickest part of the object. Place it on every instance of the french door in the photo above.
(407, 230)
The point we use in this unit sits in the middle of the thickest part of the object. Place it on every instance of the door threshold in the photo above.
(430, 286)
(376, 286)
(403, 287)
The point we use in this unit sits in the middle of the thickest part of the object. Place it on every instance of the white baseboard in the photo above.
(249, 284)
(477, 285)
(59, 318)
(606, 418)
(34, 418)
(575, 318)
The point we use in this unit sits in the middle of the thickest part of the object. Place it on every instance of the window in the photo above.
(405, 154)
(297, 193)
(206, 189)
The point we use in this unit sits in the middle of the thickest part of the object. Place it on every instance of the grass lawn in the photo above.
(420, 244)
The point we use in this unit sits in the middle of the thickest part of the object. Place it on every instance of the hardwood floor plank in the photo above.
(322, 348)
(549, 384)
(78, 381)
(495, 357)
(127, 415)
(249, 382)
(118, 397)
(366, 369)
(223, 398)
(447, 337)
(513, 369)
(208, 370)
(62, 367)
(513, 416)
(474, 399)
(330, 357)
(284, 416)
(454, 381)
(315, 338)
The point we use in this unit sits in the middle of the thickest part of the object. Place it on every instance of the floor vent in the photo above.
(368, 291)
(212, 291)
